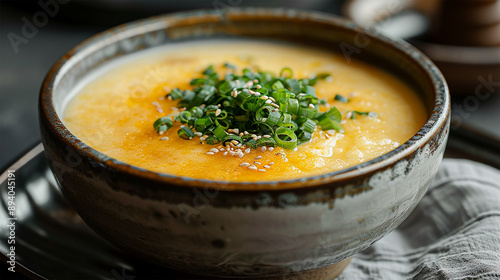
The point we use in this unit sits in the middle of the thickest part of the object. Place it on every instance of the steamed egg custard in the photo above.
(243, 111)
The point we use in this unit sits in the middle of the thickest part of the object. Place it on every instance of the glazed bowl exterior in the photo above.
(247, 229)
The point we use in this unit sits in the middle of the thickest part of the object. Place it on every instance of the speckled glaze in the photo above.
(188, 224)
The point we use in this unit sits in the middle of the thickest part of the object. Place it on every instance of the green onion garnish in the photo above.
(162, 124)
(369, 114)
(253, 109)
(341, 98)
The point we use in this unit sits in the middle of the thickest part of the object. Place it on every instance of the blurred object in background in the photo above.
(462, 37)
(467, 23)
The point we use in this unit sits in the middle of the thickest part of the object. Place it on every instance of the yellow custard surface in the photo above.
(114, 113)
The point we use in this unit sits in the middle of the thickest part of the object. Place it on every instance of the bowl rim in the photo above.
(438, 116)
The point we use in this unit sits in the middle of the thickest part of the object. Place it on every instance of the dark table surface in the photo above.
(24, 63)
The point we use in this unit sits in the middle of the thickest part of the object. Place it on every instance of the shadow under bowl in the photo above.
(279, 227)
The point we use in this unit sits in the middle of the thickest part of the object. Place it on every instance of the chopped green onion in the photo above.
(269, 142)
(285, 138)
(220, 132)
(230, 66)
(341, 98)
(285, 70)
(162, 124)
(176, 94)
(280, 111)
(184, 116)
(185, 133)
(369, 114)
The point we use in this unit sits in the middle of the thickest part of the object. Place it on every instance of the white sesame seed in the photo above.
(225, 153)
(221, 149)
(169, 97)
(218, 105)
(271, 163)
(258, 137)
(255, 81)
(214, 150)
(251, 91)
(348, 115)
(269, 101)
(258, 157)
(164, 138)
(247, 150)
(271, 149)
(246, 132)
(343, 122)
(331, 131)
(266, 136)
(257, 93)
(275, 105)
(267, 166)
(240, 154)
(217, 112)
(241, 134)
(202, 138)
(235, 142)
(262, 170)
(252, 167)
(245, 164)
(256, 162)
(264, 119)
(263, 148)
(272, 99)
(182, 126)
(259, 86)
(235, 130)
(198, 133)
(233, 153)
(264, 97)
(248, 84)
(311, 106)
(209, 153)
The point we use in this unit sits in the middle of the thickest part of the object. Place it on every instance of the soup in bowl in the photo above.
(251, 143)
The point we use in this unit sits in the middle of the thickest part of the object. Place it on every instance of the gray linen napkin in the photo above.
(454, 233)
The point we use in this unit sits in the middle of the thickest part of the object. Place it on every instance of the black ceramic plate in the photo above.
(52, 242)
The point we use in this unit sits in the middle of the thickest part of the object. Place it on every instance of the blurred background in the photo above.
(461, 36)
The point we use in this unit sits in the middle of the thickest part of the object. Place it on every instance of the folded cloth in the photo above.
(454, 233)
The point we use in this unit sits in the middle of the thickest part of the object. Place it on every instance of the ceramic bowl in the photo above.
(280, 227)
